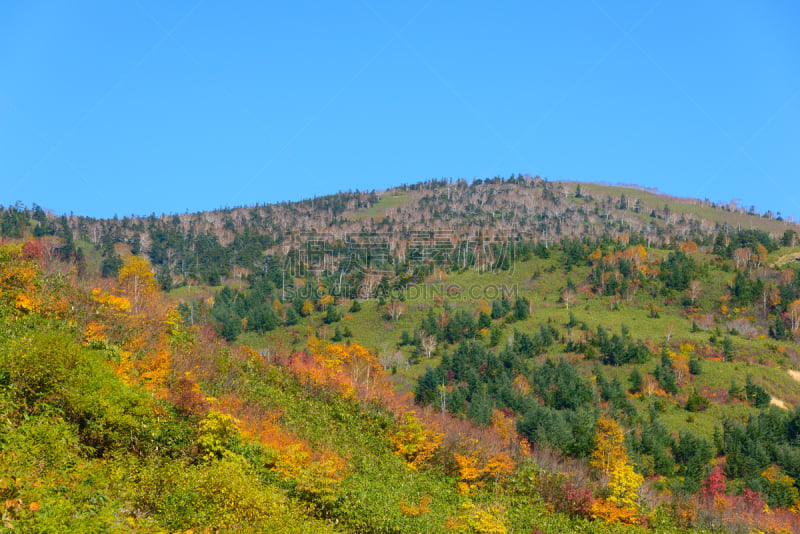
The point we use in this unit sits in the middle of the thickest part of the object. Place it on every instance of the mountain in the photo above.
(229, 243)
(502, 356)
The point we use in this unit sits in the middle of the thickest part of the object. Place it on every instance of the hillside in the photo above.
(503, 356)
(207, 247)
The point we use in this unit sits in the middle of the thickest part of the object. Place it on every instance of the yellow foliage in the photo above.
(93, 334)
(216, 432)
(780, 482)
(25, 304)
(114, 302)
(173, 321)
(136, 280)
(414, 442)
(307, 308)
(610, 458)
(609, 447)
(521, 385)
(324, 301)
(321, 477)
(624, 485)
(483, 519)
(124, 367)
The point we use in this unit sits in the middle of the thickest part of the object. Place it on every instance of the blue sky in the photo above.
(133, 107)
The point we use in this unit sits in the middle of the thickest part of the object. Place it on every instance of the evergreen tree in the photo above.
(635, 380)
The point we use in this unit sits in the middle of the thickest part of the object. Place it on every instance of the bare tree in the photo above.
(669, 331)
(442, 397)
(395, 309)
(694, 290)
(389, 358)
(794, 314)
(741, 256)
(428, 345)
(650, 385)
(568, 296)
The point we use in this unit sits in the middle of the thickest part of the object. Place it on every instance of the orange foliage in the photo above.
(413, 510)
(339, 367)
(21, 285)
(478, 466)
(610, 512)
(503, 425)
(315, 471)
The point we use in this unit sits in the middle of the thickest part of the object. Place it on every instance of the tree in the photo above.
(610, 458)
(761, 255)
(665, 373)
(728, 350)
(137, 281)
(769, 295)
(428, 345)
(609, 449)
(650, 385)
(680, 368)
(789, 238)
(694, 290)
(568, 296)
(794, 314)
(741, 256)
(331, 314)
(395, 309)
(635, 380)
(521, 308)
(495, 334)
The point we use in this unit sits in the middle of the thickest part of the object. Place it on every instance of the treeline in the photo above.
(209, 247)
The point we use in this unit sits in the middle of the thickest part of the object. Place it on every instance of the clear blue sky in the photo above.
(146, 106)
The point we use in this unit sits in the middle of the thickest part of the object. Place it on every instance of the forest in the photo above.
(540, 357)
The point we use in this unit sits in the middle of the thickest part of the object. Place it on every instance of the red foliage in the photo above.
(185, 394)
(714, 484)
(752, 500)
(566, 496)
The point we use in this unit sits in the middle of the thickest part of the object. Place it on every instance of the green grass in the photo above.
(542, 281)
(689, 207)
(386, 202)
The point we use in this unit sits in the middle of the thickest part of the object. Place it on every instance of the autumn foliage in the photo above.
(610, 459)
